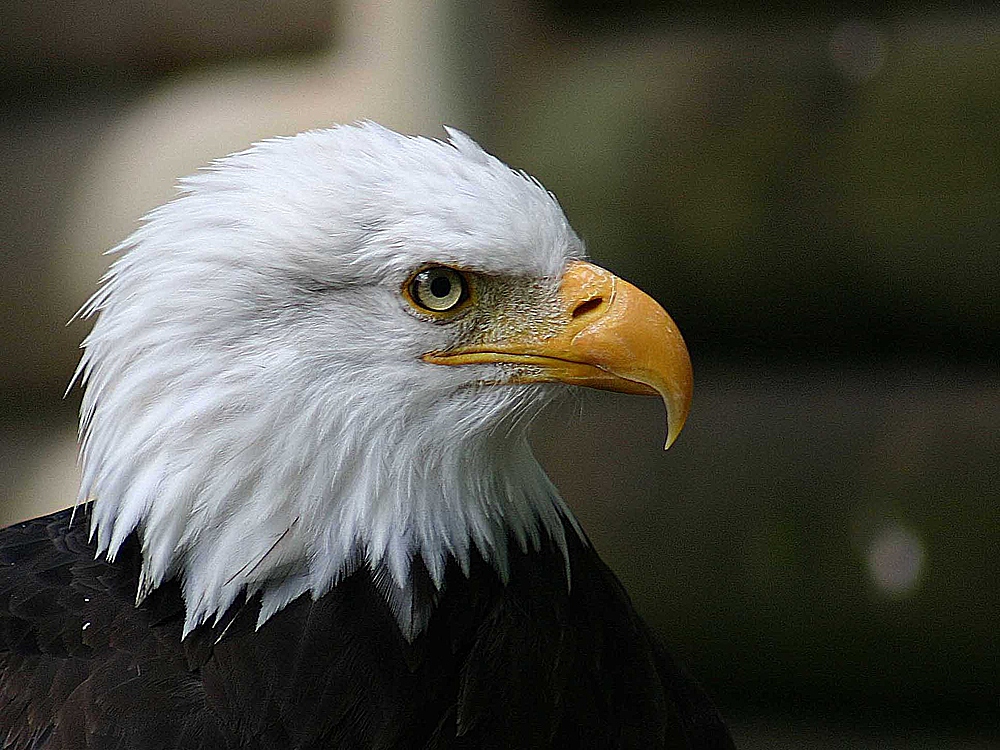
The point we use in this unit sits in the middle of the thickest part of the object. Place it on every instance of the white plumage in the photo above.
(256, 405)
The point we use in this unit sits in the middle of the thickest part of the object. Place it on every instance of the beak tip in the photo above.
(673, 433)
(678, 408)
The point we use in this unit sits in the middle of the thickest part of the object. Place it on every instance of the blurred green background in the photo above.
(813, 196)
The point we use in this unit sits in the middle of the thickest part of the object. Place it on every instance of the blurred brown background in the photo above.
(811, 193)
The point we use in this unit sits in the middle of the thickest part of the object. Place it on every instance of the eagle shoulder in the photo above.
(533, 662)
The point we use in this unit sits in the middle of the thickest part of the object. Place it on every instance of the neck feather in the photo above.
(297, 513)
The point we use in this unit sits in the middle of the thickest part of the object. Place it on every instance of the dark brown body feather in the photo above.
(526, 665)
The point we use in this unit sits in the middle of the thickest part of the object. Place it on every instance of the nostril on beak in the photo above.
(585, 307)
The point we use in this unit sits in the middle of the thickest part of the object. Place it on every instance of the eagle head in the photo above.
(324, 353)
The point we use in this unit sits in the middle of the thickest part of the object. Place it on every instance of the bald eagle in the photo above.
(309, 514)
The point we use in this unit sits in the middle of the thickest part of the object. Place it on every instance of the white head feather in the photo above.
(256, 407)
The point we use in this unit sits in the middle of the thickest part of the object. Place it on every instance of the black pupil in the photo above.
(440, 286)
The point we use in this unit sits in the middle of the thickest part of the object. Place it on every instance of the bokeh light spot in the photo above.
(896, 557)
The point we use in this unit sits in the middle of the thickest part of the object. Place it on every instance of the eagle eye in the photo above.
(438, 289)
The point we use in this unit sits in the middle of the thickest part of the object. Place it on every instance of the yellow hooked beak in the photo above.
(609, 335)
